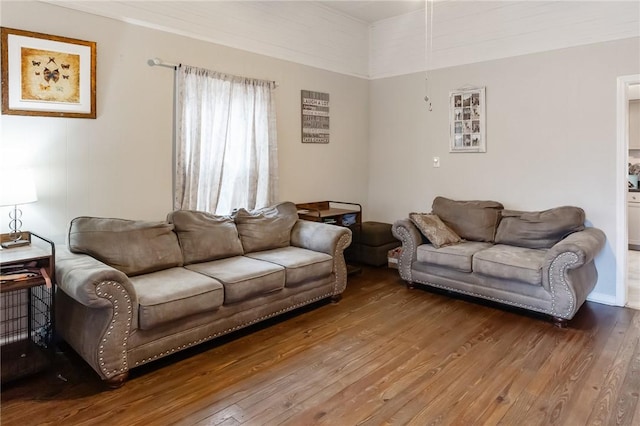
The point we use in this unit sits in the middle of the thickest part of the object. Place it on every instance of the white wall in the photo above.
(551, 138)
(119, 165)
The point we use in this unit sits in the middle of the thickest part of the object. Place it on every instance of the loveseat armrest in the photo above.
(586, 244)
(96, 310)
(569, 273)
(411, 238)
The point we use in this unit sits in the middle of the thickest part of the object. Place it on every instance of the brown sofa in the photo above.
(130, 292)
(539, 261)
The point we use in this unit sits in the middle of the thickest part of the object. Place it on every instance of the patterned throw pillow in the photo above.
(439, 234)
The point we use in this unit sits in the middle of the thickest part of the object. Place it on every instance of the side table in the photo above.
(27, 291)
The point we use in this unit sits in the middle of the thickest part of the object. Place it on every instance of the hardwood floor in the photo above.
(383, 355)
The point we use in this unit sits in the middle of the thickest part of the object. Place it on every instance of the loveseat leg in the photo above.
(410, 285)
(560, 322)
(336, 298)
(117, 381)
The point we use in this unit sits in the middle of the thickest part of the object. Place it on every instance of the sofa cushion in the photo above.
(133, 247)
(243, 277)
(175, 293)
(539, 229)
(438, 234)
(471, 220)
(511, 263)
(204, 236)
(458, 256)
(267, 228)
(301, 265)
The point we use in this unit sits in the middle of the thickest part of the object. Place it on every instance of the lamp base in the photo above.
(14, 244)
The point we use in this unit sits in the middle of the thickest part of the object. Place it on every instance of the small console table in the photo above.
(333, 212)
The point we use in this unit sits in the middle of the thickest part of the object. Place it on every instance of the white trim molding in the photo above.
(622, 158)
(605, 299)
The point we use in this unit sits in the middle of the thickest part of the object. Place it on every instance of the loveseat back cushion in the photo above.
(204, 236)
(471, 220)
(131, 246)
(539, 229)
(267, 228)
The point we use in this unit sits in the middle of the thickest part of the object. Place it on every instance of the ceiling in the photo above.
(372, 11)
(376, 39)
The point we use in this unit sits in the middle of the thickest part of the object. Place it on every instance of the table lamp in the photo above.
(16, 187)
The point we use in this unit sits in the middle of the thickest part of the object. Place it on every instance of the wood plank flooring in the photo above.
(383, 355)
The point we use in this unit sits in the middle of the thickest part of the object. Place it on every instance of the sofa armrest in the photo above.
(78, 275)
(569, 273)
(411, 238)
(96, 312)
(321, 237)
(325, 238)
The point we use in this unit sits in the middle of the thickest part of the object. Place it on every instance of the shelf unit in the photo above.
(26, 308)
(334, 212)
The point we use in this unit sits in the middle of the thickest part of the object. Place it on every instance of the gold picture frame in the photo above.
(47, 75)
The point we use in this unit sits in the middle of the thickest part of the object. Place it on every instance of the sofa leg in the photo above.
(410, 285)
(117, 381)
(336, 298)
(560, 322)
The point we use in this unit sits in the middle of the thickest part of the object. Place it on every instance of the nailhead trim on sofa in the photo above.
(106, 290)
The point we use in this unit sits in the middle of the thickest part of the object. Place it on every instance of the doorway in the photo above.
(622, 239)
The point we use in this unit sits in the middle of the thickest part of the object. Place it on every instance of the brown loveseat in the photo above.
(539, 261)
(130, 292)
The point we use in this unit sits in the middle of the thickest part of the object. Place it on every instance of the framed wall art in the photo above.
(467, 124)
(315, 117)
(46, 75)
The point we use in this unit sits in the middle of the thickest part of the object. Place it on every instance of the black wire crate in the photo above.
(25, 331)
(26, 311)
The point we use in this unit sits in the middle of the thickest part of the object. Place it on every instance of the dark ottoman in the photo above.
(371, 243)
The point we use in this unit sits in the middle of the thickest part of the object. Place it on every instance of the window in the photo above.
(226, 153)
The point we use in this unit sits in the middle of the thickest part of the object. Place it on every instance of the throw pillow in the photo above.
(204, 236)
(439, 234)
(267, 228)
(133, 247)
(472, 220)
(539, 230)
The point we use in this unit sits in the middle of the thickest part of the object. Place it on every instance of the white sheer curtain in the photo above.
(226, 152)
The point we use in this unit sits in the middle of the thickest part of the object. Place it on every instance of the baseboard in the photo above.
(605, 299)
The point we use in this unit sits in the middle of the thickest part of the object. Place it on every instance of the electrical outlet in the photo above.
(436, 161)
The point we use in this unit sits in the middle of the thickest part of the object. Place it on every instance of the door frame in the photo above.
(622, 158)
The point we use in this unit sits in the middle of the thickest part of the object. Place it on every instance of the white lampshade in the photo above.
(17, 187)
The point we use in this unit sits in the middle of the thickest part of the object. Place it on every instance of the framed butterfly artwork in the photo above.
(46, 75)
